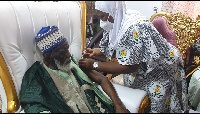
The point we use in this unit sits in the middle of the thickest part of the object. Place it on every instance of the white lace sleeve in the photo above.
(104, 42)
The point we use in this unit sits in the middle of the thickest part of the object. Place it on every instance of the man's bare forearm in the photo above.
(106, 85)
(109, 89)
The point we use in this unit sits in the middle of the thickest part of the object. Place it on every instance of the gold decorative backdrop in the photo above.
(188, 8)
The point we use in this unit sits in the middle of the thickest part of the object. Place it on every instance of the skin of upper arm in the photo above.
(94, 76)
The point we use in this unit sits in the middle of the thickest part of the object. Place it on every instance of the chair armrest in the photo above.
(135, 100)
(12, 101)
(3, 103)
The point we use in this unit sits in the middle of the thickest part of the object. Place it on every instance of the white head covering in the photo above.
(123, 18)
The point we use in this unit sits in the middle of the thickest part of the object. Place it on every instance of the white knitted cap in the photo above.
(49, 38)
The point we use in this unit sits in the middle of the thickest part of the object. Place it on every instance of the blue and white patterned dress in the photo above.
(161, 72)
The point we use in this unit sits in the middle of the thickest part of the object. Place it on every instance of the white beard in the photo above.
(66, 67)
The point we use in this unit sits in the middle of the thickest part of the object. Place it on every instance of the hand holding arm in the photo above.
(86, 63)
(89, 53)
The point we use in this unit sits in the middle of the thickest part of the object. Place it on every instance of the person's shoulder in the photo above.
(36, 63)
(35, 66)
(74, 59)
(141, 24)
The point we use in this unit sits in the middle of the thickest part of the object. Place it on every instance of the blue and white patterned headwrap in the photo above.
(49, 38)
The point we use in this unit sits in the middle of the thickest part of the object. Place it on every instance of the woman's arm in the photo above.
(116, 68)
(108, 67)
(108, 89)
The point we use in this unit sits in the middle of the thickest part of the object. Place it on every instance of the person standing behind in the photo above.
(146, 59)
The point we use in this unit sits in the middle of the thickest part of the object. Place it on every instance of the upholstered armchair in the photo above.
(19, 23)
(160, 24)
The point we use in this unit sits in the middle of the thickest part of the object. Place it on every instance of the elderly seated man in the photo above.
(58, 85)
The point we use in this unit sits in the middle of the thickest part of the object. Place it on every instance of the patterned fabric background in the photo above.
(188, 8)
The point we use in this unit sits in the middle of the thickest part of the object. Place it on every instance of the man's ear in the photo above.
(48, 56)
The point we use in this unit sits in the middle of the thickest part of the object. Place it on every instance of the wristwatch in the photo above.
(95, 65)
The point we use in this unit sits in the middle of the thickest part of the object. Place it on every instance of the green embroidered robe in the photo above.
(39, 92)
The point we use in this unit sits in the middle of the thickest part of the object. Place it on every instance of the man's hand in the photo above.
(86, 63)
(121, 109)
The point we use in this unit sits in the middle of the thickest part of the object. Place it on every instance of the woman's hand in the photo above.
(86, 63)
(89, 53)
